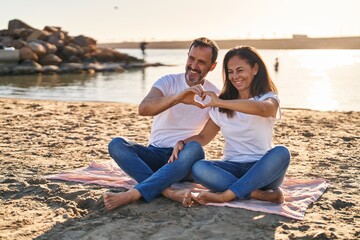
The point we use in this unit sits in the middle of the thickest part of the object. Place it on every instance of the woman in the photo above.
(245, 112)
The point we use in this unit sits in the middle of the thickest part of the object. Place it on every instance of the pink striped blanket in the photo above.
(299, 194)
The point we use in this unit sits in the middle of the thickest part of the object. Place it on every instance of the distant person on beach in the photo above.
(143, 48)
(245, 112)
(179, 113)
(276, 65)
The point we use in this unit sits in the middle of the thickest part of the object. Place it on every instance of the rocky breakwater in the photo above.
(26, 50)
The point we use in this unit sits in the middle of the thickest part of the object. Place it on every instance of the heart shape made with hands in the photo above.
(202, 101)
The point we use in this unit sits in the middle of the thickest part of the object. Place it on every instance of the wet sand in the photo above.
(38, 138)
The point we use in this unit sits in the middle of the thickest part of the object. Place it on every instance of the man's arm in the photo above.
(155, 102)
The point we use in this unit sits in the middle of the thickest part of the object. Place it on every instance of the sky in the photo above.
(167, 20)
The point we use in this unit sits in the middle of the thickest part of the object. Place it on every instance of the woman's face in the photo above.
(241, 74)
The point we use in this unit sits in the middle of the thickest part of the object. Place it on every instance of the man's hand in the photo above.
(179, 146)
(188, 95)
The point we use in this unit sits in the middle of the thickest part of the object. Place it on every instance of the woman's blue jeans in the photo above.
(149, 165)
(243, 178)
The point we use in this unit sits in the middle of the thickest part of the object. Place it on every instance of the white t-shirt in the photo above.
(182, 120)
(247, 137)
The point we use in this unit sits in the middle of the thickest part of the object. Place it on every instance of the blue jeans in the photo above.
(149, 165)
(243, 178)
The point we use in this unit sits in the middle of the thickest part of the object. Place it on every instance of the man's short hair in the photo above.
(205, 42)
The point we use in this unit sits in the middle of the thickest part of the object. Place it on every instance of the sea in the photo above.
(325, 80)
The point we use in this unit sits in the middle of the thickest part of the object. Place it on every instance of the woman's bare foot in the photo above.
(205, 197)
(182, 196)
(275, 196)
(208, 197)
(115, 200)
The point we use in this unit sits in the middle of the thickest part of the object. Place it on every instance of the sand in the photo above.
(45, 137)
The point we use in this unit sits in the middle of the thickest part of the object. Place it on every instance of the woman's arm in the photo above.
(266, 108)
(204, 137)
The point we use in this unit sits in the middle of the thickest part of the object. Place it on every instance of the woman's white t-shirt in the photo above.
(182, 120)
(247, 137)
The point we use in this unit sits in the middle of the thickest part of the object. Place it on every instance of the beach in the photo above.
(42, 137)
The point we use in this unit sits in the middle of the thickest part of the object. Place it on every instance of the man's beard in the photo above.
(190, 73)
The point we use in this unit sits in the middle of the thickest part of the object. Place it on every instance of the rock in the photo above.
(54, 47)
(74, 59)
(7, 41)
(18, 43)
(50, 48)
(4, 32)
(67, 51)
(111, 55)
(122, 57)
(78, 48)
(89, 59)
(97, 67)
(16, 24)
(22, 33)
(37, 35)
(27, 54)
(50, 59)
(71, 67)
(57, 38)
(85, 42)
(37, 48)
(113, 67)
(52, 29)
(103, 55)
(27, 67)
(6, 69)
(50, 69)
(106, 67)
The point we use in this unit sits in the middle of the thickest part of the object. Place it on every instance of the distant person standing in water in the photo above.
(143, 48)
(276, 65)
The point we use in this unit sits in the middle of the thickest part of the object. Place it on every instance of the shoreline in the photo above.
(41, 137)
(298, 41)
(136, 104)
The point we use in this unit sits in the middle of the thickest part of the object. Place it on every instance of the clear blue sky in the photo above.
(137, 20)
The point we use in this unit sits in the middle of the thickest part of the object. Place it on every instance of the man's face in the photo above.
(198, 65)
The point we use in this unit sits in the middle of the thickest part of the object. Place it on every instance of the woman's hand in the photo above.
(214, 99)
(175, 154)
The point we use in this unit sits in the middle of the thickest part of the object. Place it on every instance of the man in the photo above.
(178, 114)
(143, 47)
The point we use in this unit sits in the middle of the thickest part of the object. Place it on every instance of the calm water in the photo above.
(314, 79)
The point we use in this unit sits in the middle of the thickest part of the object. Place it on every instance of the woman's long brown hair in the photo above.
(261, 84)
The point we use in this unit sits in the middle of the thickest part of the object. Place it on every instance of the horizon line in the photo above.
(294, 36)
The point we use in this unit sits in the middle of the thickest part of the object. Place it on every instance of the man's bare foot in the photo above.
(275, 196)
(182, 196)
(115, 200)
